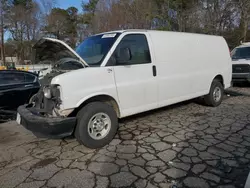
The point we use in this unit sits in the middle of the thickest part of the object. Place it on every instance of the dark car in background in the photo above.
(16, 88)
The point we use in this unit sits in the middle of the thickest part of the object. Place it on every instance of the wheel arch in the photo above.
(219, 77)
(98, 97)
(209, 99)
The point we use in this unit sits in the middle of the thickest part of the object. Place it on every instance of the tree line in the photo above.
(28, 20)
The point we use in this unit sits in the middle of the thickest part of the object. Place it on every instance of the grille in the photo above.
(241, 68)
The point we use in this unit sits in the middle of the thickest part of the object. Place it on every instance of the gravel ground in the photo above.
(184, 145)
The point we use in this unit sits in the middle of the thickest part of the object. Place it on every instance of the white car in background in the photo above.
(241, 63)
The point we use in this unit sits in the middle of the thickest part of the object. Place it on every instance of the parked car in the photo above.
(16, 88)
(124, 73)
(241, 63)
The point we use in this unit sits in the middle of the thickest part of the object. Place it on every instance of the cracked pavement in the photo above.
(184, 145)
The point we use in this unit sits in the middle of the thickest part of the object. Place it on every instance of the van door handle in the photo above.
(109, 70)
(154, 70)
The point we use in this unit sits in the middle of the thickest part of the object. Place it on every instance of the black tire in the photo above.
(83, 118)
(209, 99)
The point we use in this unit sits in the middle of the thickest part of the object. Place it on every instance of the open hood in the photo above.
(51, 50)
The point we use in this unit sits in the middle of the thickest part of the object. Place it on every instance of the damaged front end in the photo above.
(48, 101)
(42, 125)
(43, 115)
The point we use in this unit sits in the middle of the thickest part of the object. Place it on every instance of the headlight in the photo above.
(47, 92)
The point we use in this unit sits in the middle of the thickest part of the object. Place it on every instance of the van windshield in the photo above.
(94, 49)
(241, 53)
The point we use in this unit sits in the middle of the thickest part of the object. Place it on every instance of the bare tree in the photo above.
(217, 15)
(28, 21)
(2, 30)
(3, 13)
(244, 8)
(123, 14)
(17, 28)
(57, 23)
(24, 25)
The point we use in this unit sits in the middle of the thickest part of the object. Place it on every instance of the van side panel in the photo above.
(187, 64)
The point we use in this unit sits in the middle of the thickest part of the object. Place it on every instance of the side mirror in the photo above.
(125, 55)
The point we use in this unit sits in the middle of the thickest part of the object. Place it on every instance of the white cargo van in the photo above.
(120, 73)
(241, 63)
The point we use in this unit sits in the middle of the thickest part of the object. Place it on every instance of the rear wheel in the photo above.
(214, 98)
(97, 125)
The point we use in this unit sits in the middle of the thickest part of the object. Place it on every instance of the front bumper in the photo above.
(50, 127)
(241, 77)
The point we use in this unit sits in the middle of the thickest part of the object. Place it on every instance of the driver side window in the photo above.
(139, 50)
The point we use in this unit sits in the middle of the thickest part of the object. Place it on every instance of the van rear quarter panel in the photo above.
(187, 64)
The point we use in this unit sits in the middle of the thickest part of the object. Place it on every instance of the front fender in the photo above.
(79, 85)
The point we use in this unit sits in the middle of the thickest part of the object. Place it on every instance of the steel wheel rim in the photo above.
(217, 94)
(99, 126)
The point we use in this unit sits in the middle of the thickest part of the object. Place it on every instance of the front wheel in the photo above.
(97, 124)
(214, 98)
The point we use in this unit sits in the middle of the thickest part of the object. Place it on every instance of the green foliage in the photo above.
(24, 3)
(58, 23)
(90, 6)
(89, 12)
(73, 17)
(63, 24)
(20, 2)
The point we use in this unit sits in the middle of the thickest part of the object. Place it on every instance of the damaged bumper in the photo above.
(41, 126)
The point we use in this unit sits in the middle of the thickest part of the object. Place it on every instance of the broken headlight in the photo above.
(51, 92)
(47, 92)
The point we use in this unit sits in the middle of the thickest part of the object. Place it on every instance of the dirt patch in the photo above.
(7, 136)
(7, 140)
(2, 164)
(44, 163)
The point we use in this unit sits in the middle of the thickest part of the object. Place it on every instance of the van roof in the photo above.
(145, 30)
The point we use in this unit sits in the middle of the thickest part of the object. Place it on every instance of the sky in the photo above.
(69, 3)
(62, 4)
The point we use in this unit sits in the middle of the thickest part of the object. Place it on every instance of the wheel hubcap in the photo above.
(217, 94)
(99, 126)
